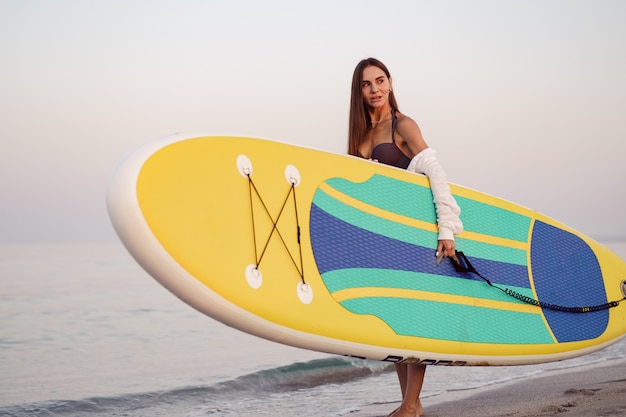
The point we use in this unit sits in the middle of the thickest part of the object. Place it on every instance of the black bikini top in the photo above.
(389, 153)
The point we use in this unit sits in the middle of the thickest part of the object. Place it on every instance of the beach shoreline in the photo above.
(590, 390)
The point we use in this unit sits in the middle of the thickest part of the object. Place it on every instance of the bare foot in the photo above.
(420, 409)
(400, 412)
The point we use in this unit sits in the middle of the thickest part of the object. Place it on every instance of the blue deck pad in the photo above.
(350, 257)
(566, 272)
(339, 245)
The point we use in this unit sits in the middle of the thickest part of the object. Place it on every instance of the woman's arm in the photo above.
(425, 162)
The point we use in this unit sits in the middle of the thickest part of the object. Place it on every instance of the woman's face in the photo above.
(375, 87)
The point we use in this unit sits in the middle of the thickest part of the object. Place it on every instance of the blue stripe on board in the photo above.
(566, 272)
(340, 245)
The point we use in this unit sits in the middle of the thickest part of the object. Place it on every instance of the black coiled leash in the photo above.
(462, 264)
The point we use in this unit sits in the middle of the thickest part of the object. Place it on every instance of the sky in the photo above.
(522, 99)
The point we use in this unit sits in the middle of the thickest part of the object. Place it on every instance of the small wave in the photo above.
(308, 374)
(299, 375)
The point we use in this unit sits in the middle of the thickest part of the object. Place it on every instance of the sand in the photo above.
(592, 390)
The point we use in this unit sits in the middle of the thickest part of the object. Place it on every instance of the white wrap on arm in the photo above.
(447, 209)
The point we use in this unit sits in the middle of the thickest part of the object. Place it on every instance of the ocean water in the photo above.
(85, 331)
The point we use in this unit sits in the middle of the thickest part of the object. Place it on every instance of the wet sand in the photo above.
(592, 390)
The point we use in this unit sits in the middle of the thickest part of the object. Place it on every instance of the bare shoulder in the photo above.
(405, 121)
(409, 131)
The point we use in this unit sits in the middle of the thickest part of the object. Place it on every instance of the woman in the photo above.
(378, 131)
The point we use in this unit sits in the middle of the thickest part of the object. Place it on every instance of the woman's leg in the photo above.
(401, 370)
(411, 377)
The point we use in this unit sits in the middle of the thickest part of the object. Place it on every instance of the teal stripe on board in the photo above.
(403, 198)
(384, 278)
(486, 219)
(492, 252)
(392, 195)
(453, 322)
(413, 235)
(373, 223)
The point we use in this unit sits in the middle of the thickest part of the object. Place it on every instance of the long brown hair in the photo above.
(359, 116)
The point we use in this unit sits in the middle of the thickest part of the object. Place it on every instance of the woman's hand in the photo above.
(446, 248)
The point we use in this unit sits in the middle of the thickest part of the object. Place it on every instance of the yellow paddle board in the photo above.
(337, 254)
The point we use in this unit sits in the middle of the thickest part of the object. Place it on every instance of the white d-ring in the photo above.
(293, 175)
(254, 276)
(244, 166)
(305, 292)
